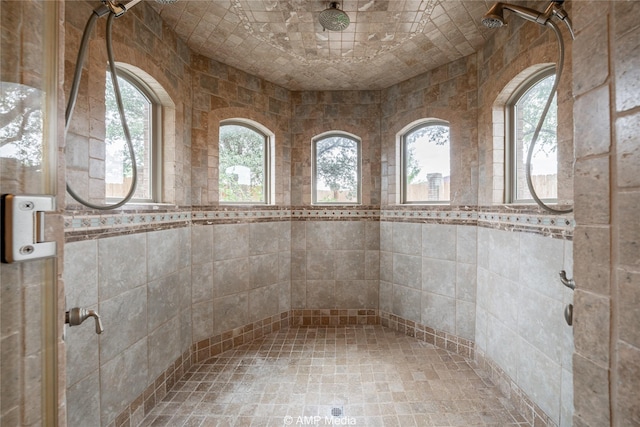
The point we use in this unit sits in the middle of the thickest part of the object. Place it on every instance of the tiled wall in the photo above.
(428, 274)
(519, 316)
(168, 290)
(606, 87)
(335, 264)
(240, 274)
(143, 295)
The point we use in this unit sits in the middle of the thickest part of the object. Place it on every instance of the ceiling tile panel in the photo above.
(282, 41)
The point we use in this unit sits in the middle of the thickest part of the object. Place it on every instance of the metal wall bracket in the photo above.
(23, 227)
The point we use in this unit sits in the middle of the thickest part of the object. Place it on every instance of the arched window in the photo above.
(336, 168)
(144, 119)
(245, 160)
(425, 163)
(522, 114)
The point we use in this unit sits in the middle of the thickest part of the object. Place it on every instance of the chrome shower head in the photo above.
(494, 18)
(333, 19)
(166, 1)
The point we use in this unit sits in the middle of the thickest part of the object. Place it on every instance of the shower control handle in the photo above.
(569, 283)
(77, 315)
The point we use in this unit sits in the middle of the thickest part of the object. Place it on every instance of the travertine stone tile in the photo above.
(117, 390)
(627, 63)
(439, 277)
(231, 276)
(118, 270)
(590, 57)
(628, 229)
(83, 404)
(407, 238)
(629, 386)
(125, 321)
(593, 107)
(592, 256)
(354, 368)
(628, 150)
(230, 312)
(230, 241)
(591, 392)
(407, 270)
(439, 241)
(349, 265)
(81, 274)
(263, 270)
(439, 312)
(165, 297)
(629, 300)
(591, 326)
(321, 294)
(592, 191)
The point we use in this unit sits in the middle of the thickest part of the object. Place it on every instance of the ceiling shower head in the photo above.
(334, 19)
(166, 1)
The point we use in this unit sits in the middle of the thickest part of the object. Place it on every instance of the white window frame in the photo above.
(511, 177)
(155, 136)
(314, 168)
(269, 169)
(402, 172)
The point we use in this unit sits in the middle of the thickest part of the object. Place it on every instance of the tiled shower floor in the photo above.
(299, 376)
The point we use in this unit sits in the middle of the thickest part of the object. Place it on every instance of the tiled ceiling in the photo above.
(282, 41)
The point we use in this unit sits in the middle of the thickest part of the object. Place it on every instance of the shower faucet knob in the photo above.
(77, 315)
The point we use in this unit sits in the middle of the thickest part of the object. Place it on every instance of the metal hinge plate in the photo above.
(23, 227)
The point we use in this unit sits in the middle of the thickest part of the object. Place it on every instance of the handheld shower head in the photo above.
(494, 18)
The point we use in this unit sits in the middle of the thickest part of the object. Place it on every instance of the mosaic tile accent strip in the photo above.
(531, 412)
(82, 225)
(549, 225)
(79, 225)
(338, 213)
(431, 215)
(217, 344)
(240, 214)
(440, 339)
(329, 317)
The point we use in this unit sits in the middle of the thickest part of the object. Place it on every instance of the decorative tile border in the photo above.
(558, 226)
(230, 215)
(425, 214)
(82, 225)
(328, 318)
(441, 339)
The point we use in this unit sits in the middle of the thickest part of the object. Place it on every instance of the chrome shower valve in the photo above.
(77, 315)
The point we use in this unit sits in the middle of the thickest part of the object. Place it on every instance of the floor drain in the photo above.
(336, 411)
